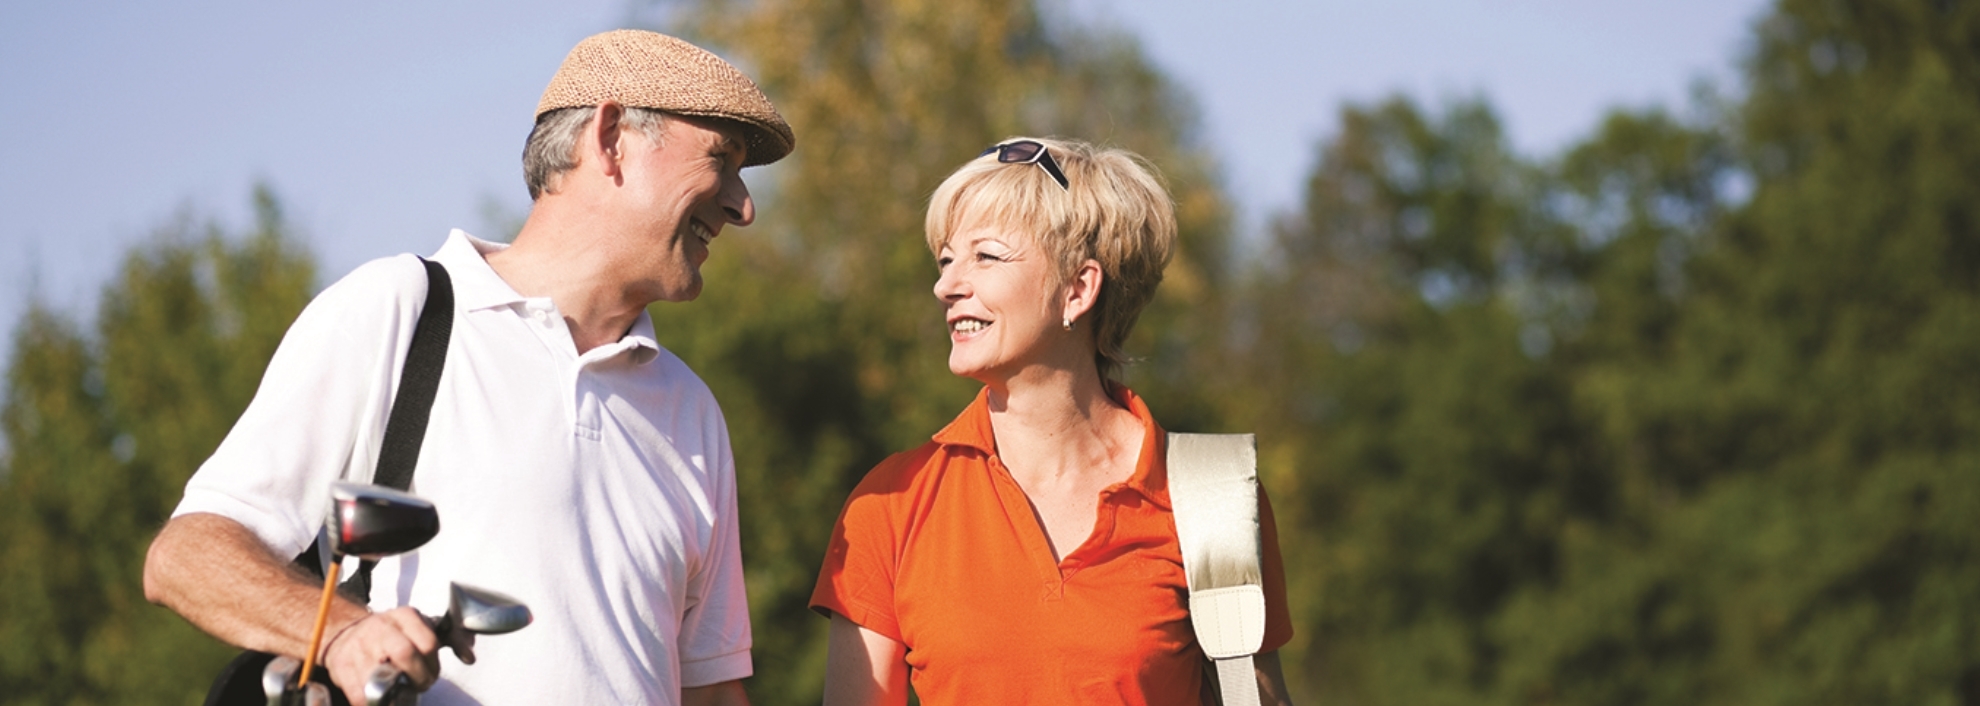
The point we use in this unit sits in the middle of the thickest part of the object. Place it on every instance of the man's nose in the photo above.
(736, 203)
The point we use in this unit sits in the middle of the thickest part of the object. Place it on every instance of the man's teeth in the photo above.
(701, 231)
(969, 326)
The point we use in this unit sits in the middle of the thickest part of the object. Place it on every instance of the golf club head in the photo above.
(476, 611)
(485, 612)
(370, 522)
(387, 686)
(315, 695)
(277, 677)
(278, 683)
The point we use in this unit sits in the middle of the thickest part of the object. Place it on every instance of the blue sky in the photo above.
(382, 124)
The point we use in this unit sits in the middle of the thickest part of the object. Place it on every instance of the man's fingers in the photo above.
(399, 637)
(418, 654)
(462, 641)
(415, 628)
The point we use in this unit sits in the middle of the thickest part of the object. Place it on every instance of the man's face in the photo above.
(680, 193)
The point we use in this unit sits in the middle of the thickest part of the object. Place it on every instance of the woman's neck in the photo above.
(1050, 424)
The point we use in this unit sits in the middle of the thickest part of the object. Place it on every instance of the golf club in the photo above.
(275, 685)
(370, 522)
(476, 611)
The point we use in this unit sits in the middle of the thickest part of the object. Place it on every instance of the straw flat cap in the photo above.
(645, 69)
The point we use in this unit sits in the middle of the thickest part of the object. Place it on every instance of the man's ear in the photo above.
(1083, 290)
(604, 136)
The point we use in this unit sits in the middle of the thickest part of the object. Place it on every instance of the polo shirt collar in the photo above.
(972, 429)
(478, 287)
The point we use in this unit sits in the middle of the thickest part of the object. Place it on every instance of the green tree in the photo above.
(1405, 371)
(818, 330)
(102, 431)
(1684, 416)
(1644, 195)
(1812, 427)
(1795, 441)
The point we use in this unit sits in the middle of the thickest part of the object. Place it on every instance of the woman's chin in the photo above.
(971, 369)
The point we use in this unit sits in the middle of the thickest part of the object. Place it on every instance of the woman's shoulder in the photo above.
(902, 470)
(900, 492)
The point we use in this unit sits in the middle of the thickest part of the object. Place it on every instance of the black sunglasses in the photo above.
(1030, 152)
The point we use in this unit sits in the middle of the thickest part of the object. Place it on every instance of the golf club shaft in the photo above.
(322, 615)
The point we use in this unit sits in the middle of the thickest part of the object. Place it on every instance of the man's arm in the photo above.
(222, 579)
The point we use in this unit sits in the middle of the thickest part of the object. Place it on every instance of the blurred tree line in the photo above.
(102, 428)
(1682, 415)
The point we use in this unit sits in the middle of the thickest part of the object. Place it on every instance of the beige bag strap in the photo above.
(1213, 488)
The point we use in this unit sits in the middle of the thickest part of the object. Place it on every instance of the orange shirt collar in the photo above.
(972, 429)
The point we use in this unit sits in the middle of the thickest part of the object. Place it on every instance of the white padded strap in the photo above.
(1237, 682)
(1213, 488)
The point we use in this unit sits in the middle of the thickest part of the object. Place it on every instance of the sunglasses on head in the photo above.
(1030, 152)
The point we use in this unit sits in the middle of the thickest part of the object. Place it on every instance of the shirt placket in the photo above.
(1106, 516)
(580, 407)
(588, 406)
(1032, 543)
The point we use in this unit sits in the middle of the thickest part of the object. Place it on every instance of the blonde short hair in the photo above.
(1115, 211)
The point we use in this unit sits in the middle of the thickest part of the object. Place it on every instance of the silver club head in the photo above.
(387, 686)
(370, 521)
(277, 677)
(485, 612)
(278, 683)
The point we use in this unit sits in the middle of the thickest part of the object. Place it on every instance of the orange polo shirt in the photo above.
(938, 549)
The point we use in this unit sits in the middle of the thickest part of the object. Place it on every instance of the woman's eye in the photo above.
(987, 257)
(942, 262)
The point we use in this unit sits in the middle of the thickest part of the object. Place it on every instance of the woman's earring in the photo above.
(1067, 323)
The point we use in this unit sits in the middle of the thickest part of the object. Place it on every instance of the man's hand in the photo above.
(400, 637)
(221, 577)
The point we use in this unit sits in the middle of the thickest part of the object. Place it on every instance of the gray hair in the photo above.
(552, 146)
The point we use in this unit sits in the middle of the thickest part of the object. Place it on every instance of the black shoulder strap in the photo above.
(405, 429)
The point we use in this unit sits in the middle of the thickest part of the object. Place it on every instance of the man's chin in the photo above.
(685, 294)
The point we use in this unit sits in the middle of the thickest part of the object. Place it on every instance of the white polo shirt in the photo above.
(598, 488)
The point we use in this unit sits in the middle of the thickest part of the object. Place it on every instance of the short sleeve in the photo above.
(325, 393)
(715, 631)
(863, 557)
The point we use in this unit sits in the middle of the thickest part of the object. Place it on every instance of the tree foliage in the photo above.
(102, 430)
(1681, 416)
